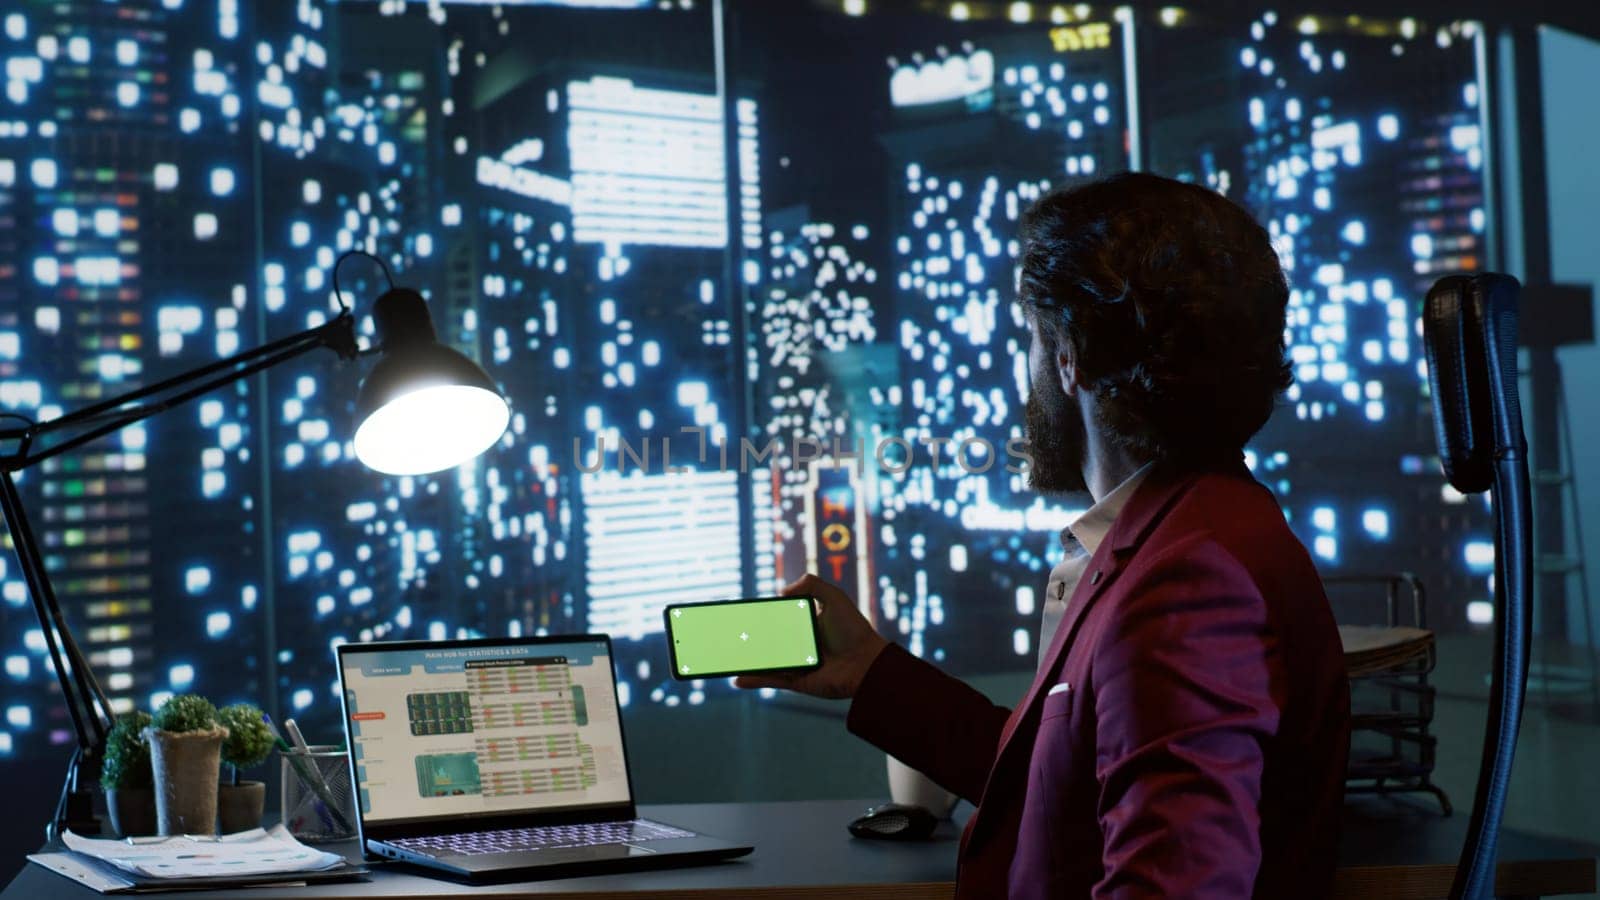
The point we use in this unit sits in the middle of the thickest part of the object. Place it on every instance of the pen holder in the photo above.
(305, 813)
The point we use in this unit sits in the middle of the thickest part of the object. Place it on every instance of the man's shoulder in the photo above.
(1232, 526)
(1221, 556)
(1211, 487)
(1234, 511)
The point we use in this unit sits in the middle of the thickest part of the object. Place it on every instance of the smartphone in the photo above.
(741, 637)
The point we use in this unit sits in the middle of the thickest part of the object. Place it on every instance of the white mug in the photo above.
(908, 786)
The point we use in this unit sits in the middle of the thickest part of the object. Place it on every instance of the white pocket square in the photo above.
(1061, 688)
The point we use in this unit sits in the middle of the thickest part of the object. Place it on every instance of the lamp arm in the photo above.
(86, 700)
(107, 416)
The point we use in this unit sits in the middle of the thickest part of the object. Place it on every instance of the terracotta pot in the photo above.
(133, 810)
(186, 765)
(239, 806)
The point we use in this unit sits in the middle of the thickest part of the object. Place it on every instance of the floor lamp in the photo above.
(422, 408)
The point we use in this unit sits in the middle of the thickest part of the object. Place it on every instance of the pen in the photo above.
(309, 775)
(163, 838)
(295, 736)
(276, 734)
(325, 794)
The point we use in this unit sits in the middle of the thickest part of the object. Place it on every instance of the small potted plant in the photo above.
(249, 743)
(185, 750)
(126, 776)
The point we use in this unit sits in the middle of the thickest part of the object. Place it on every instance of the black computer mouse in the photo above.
(895, 822)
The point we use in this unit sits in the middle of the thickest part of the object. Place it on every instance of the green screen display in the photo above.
(741, 636)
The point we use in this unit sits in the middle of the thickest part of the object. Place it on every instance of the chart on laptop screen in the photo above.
(445, 731)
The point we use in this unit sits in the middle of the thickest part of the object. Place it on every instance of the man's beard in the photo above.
(1056, 438)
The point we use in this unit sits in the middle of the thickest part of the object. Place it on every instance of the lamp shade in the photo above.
(424, 407)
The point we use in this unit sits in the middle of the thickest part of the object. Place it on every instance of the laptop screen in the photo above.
(469, 729)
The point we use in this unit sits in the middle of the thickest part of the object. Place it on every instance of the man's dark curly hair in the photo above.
(1172, 301)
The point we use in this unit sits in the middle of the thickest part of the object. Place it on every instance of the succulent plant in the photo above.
(249, 741)
(127, 759)
(185, 712)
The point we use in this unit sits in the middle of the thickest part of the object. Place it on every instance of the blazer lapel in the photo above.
(1144, 511)
(1158, 492)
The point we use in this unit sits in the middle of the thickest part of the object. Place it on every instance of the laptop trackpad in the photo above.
(568, 855)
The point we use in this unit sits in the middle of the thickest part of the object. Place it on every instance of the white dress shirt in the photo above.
(1081, 539)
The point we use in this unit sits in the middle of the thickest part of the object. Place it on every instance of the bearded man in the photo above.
(1187, 730)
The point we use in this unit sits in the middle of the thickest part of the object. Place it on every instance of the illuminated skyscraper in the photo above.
(181, 193)
(356, 153)
(123, 169)
(960, 521)
(599, 228)
(1369, 197)
(824, 387)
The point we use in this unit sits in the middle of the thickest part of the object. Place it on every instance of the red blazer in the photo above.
(1187, 736)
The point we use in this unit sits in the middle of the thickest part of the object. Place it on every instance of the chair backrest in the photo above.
(1470, 332)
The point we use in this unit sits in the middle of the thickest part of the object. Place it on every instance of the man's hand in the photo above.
(849, 646)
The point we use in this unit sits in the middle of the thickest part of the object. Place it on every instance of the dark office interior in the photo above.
(817, 251)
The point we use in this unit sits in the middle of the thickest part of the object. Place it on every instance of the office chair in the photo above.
(1470, 332)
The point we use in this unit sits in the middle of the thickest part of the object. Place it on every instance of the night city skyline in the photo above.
(824, 252)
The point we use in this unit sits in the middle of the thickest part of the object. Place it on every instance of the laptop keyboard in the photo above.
(547, 837)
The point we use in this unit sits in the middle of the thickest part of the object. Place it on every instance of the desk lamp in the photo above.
(424, 407)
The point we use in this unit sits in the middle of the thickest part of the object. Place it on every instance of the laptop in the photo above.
(489, 758)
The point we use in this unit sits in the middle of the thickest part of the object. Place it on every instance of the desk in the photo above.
(803, 852)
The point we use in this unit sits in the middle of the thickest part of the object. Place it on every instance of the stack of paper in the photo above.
(1374, 648)
(247, 853)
